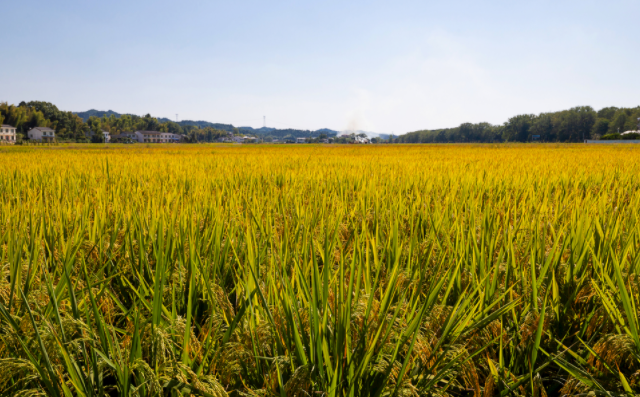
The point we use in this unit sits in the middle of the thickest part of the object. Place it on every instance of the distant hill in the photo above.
(199, 123)
(262, 131)
(97, 113)
(327, 131)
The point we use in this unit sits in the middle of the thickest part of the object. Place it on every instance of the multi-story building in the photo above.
(7, 134)
(43, 134)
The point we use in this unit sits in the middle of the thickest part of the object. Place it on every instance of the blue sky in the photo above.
(382, 66)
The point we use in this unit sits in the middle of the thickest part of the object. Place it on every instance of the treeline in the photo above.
(71, 127)
(288, 133)
(128, 122)
(82, 126)
(269, 134)
(210, 129)
(573, 125)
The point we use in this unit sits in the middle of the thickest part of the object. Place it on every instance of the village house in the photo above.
(243, 139)
(7, 134)
(43, 134)
(129, 135)
(124, 137)
(157, 137)
(301, 140)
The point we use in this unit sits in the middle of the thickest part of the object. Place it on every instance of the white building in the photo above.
(7, 134)
(301, 140)
(43, 134)
(243, 139)
(106, 136)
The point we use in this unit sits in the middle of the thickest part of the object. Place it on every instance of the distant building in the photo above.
(148, 136)
(43, 134)
(129, 134)
(158, 137)
(124, 137)
(243, 139)
(7, 134)
(301, 140)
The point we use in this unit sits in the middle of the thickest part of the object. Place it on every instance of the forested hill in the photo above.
(97, 113)
(571, 125)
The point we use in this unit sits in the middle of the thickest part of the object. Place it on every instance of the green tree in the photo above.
(543, 126)
(607, 113)
(618, 122)
(97, 137)
(600, 127)
(518, 128)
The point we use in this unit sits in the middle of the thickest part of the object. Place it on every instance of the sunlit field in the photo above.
(303, 270)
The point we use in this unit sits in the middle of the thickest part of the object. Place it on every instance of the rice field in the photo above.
(320, 271)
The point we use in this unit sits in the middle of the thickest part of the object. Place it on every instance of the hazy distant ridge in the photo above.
(266, 131)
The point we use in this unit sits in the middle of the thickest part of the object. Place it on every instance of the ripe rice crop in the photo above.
(309, 270)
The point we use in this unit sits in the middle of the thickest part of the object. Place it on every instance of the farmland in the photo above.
(390, 270)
